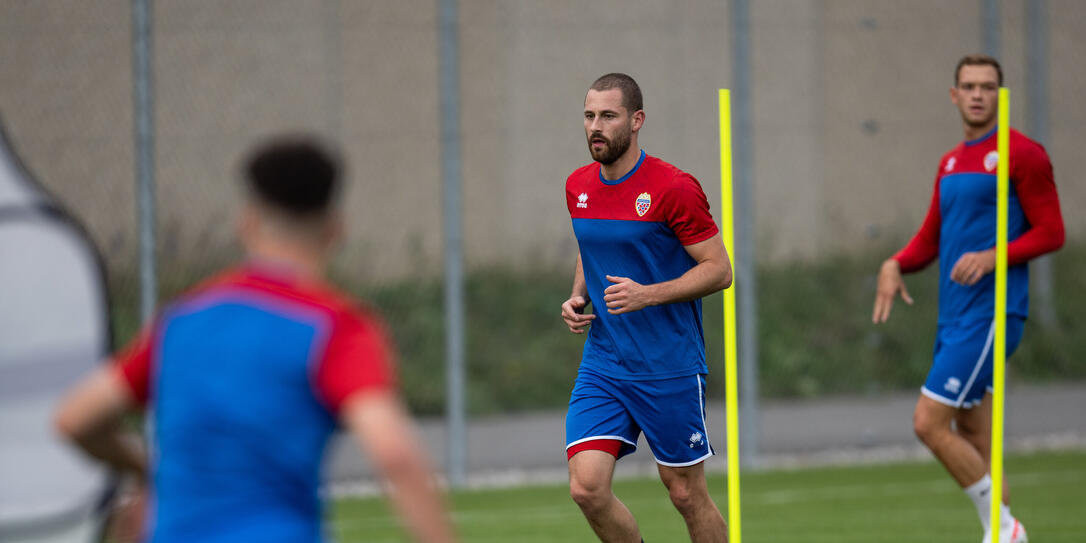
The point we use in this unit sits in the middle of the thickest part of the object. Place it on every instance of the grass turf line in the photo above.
(894, 503)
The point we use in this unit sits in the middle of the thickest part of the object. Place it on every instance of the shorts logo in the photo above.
(950, 164)
(991, 160)
(582, 200)
(642, 204)
(696, 439)
(953, 385)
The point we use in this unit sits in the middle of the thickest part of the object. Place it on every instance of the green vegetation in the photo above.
(814, 328)
(885, 503)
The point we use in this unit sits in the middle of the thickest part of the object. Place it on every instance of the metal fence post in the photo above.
(145, 145)
(747, 295)
(1037, 122)
(449, 54)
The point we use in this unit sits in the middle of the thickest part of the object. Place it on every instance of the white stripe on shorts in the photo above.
(701, 405)
(976, 367)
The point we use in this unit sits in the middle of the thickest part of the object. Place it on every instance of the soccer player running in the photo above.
(959, 230)
(247, 376)
(649, 251)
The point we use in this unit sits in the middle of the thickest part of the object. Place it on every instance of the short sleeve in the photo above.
(133, 363)
(359, 358)
(687, 211)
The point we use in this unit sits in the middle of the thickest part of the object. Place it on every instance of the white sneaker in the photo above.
(1015, 533)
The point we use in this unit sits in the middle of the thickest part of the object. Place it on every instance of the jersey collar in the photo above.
(982, 138)
(628, 174)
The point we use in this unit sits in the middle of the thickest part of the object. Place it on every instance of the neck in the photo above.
(624, 164)
(306, 261)
(973, 132)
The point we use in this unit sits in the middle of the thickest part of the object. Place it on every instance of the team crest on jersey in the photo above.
(582, 201)
(950, 164)
(642, 204)
(991, 160)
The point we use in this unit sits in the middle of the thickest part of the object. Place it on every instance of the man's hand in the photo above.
(625, 295)
(972, 267)
(129, 515)
(890, 283)
(573, 314)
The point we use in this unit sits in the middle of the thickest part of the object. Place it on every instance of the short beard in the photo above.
(612, 150)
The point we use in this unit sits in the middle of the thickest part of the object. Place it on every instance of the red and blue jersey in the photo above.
(962, 218)
(637, 226)
(244, 376)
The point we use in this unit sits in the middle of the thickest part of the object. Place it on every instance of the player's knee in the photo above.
(927, 428)
(588, 496)
(681, 498)
(684, 496)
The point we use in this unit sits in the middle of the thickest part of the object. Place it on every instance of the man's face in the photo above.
(608, 126)
(976, 94)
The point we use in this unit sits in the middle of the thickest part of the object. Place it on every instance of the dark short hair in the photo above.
(978, 60)
(293, 174)
(631, 93)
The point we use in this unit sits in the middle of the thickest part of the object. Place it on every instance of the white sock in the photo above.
(979, 493)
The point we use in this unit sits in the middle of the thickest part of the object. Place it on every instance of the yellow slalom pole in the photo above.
(727, 227)
(999, 352)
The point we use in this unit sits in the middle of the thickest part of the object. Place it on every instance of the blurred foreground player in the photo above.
(648, 253)
(959, 230)
(247, 376)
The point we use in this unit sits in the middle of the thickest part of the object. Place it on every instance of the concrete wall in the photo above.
(850, 112)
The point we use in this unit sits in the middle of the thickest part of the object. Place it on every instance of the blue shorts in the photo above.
(671, 412)
(962, 370)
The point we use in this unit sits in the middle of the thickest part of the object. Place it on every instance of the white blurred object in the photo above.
(54, 328)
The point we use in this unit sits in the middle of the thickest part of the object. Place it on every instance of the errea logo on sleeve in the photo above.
(582, 200)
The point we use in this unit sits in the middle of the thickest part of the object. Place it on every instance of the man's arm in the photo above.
(712, 272)
(573, 308)
(90, 416)
(380, 424)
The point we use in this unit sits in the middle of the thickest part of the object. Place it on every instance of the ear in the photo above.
(637, 120)
(954, 95)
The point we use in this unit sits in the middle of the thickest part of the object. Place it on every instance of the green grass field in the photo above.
(898, 503)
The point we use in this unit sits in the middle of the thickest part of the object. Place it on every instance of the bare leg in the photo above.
(690, 495)
(931, 422)
(975, 426)
(590, 487)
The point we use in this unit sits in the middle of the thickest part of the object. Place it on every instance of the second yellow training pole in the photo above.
(999, 349)
(727, 228)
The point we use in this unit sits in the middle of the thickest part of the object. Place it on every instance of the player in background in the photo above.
(247, 376)
(959, 230)
(648, 252)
